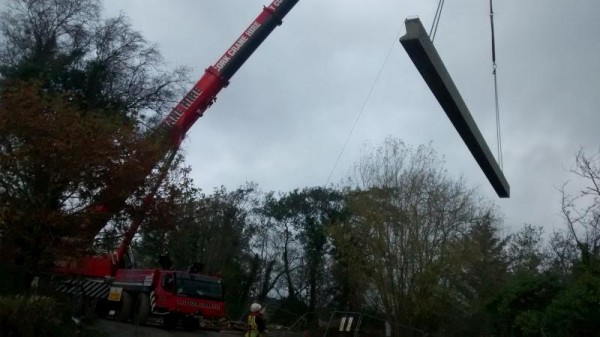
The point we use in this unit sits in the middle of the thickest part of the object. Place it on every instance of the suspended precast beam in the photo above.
(427, 60)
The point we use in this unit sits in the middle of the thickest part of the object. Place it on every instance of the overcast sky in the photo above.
(286, 114)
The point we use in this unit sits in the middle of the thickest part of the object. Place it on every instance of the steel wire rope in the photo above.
(496, 99)
(364, 105)
(432, 34)
(436, 20)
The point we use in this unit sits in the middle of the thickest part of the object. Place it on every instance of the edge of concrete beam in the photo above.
(422, 52)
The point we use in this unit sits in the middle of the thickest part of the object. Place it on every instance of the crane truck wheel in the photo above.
(142, 309)
(102, 308)
(124, 312)
(170, 321)
(189, 323)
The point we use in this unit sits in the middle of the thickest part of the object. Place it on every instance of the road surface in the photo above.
(116, 329)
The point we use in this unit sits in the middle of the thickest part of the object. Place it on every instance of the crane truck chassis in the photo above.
(105, 284)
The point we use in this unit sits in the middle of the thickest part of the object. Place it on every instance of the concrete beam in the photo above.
(427, 60)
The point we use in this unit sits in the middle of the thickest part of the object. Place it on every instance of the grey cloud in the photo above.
(286, 114)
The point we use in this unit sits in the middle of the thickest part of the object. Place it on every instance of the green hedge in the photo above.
(29, 316)
(15, 280)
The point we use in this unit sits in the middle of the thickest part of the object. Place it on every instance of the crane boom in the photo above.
(203, 94)
(193, 105)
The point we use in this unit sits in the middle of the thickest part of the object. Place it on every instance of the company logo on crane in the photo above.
(196, 304)
(180, 109)
(275, 4)
(241, 41)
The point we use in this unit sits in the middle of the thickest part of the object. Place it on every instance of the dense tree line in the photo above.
(403, 241)
(400, 239)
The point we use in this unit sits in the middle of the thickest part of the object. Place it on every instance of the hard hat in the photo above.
(255, 307)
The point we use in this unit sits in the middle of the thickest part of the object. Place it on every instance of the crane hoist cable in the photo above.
(432, 33)
(495, 74)
(436, 20)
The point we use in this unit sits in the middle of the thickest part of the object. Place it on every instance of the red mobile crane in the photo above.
(181, 118)
(139, 294)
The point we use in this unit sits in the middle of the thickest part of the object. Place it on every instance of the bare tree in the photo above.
(266, 245)
(581, 210)
(526, 251)
(284, 243)
(102, 64)
(563, 253)
(406, 211)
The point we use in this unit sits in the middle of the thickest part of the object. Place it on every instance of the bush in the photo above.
(29, 316)
(17, 283)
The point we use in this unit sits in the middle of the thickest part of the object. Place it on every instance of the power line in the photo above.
(363, 106)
